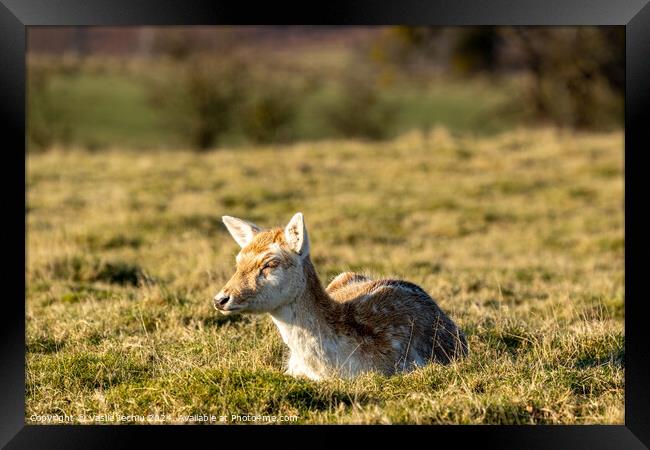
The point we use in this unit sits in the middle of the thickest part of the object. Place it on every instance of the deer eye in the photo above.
(266, 270)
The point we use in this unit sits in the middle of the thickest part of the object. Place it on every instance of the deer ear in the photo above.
(295, 234)
(241, 230)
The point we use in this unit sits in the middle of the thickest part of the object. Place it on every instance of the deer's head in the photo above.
(269, 271)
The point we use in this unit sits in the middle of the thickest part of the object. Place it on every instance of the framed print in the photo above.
(413, 218)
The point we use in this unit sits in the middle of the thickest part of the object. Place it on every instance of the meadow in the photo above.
(518, 235)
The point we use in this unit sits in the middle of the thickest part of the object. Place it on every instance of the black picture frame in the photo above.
(16, 15)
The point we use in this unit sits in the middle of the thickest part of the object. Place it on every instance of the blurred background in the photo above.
(209, 87)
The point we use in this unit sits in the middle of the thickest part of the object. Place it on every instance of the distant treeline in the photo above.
(386, 81)
(576, 74)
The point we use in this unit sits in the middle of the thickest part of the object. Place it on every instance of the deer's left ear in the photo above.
(295, 234)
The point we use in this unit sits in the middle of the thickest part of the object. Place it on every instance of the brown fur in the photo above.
(377, 311)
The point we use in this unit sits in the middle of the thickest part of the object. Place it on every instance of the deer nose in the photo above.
(220, 300)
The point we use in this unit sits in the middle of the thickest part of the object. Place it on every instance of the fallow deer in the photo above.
(355, 325)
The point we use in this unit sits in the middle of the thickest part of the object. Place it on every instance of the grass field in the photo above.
(519, 236)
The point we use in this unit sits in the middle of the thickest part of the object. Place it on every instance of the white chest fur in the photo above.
(316, 351)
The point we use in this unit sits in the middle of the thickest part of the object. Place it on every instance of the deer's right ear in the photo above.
(241, 230)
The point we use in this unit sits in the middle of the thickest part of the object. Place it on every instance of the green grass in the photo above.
(108, 109)
(519, 236)
(472, 106)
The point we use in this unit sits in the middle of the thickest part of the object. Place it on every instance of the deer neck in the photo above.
(306, 323)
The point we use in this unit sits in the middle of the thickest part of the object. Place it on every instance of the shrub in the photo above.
(202, 98)
(269, 114)
(361, 112)
(213, 91)
(47, 120)
(233, 96)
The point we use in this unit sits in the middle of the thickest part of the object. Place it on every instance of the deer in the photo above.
(354, 325)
